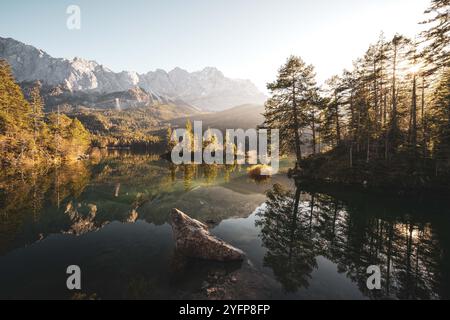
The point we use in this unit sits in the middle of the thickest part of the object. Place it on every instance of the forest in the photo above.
(386, 122)
(28, 136)
(32, 135)
(89, 176)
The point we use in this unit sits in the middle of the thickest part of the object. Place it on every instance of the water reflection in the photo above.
(291, 252)
(116, 186)
(113, 212)
(298, 227)
(23, 200)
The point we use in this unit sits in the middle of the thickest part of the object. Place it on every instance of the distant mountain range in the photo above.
(95, 84)
(244, 117)
(59, 97)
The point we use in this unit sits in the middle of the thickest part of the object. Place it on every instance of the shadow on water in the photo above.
(406, 238)
(110, 216)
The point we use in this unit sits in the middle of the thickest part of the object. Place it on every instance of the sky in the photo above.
(247, 39)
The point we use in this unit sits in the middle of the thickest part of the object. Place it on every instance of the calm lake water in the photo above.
(111, 217)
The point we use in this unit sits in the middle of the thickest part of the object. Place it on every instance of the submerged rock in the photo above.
(192, 238)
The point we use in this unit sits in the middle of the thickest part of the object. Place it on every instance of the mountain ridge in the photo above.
(247, 116)
(60, 98)
(207, 89)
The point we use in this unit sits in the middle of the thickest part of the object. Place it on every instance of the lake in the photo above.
(110, 216)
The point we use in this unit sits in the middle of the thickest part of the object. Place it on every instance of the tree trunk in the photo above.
(351, 155)
(352, 117)
(414, 117)
(394, 125)
(298, 150)
(314, 134)
(423, 122)
(375, 88)
(338, 125)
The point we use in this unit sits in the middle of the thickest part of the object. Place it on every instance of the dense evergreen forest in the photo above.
(28, 136)
(385, 122)
(31, 135)
(136, 129)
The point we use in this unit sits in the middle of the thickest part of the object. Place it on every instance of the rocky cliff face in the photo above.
(30, 64)
(208, 89)
(66, 100)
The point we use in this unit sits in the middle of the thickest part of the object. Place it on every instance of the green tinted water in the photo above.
(110, 217)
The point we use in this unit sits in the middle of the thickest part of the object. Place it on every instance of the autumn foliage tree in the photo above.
(27, 135)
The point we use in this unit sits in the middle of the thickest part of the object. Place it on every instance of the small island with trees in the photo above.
(385, 123)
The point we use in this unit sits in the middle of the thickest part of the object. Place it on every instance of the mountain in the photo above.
(208, 89)
(240, 117)
(68, 101)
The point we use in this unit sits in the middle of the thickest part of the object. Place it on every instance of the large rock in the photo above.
(192, 238)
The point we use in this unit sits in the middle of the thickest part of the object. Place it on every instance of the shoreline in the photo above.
(366, 188)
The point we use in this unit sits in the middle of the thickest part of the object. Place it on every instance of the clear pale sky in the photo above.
(246, 39)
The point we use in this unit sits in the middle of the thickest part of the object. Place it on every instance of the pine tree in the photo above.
(190, 134)
(397, 49)
(292, 92)
(441, 118)
(15, 124)
(171, 143)
(15, 110)
(332, 110)
(37, 111)
(313, 118)
(438, 36)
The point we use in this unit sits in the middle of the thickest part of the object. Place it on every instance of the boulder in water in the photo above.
(192, 239)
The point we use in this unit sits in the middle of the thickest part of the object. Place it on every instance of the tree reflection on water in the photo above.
(298, 227)
(291, 252)
(409, 239)
(84, 196)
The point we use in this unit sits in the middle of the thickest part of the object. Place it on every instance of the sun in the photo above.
(415, 68)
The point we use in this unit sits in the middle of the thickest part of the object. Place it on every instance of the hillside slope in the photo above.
(240, 117)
